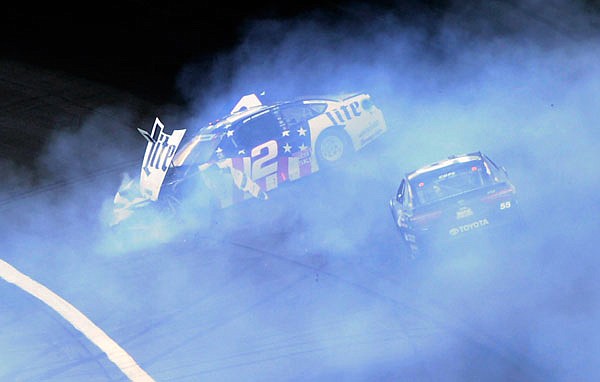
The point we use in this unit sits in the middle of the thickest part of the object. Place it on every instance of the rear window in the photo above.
(449, 181)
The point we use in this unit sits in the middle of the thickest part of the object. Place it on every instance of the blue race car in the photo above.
(248, 153)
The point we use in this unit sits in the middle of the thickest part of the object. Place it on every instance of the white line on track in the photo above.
(114, 352)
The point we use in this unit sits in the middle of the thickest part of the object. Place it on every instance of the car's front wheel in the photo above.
(333, 146)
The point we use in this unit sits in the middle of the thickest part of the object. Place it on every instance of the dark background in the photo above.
(137, 49)
(140, 46)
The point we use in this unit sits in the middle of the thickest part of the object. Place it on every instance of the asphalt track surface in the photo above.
(229, 303)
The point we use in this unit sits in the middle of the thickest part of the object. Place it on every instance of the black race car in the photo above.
(454, 198)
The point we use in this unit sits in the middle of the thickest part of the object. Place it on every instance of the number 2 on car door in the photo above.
(263, 160)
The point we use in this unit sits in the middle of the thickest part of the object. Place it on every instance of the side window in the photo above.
(292, 115)
(497, 173)
(298, 113)
(407, 199)
(400, 195)
(316, 109)
(257, 130)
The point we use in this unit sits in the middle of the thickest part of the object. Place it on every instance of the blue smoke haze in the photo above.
(329, 299)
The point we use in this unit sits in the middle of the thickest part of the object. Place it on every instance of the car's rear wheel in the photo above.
(333, 146)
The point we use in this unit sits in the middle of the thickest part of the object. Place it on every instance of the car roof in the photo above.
(236, 116)
(251, 111)
(327, 97)
(450, 161)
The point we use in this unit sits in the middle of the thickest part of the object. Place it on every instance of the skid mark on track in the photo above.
(113, 351)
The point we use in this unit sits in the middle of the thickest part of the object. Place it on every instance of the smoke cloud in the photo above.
(324, 290)
(516, 81)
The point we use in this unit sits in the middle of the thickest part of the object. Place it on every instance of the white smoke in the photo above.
(518, 81)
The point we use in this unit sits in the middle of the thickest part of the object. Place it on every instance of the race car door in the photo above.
(270, 148)
(256, 141)
(295, 160)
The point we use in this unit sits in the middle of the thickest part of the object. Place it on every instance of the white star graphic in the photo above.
(301, 131)
(287, 148)
(219, 150)
(229, 133)
(303, 147)
(242, 152)
(285, 133)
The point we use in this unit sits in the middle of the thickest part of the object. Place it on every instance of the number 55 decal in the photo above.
(261, 155)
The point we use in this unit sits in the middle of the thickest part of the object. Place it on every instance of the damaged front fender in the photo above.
(127, 200)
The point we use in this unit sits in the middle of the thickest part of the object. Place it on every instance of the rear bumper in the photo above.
(468, 234)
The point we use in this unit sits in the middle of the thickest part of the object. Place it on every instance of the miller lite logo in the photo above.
(344, 114)
(159, 154)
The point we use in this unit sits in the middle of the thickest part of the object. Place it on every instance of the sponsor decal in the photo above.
(344, 114)
(161, 147)
(370, 132)
(463, 212)
(468, 227)
(159, 154)
(447, 175)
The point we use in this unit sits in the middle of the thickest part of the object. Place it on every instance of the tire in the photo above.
(333, 147)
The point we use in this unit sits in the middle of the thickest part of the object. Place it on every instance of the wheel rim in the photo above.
(332, 148)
